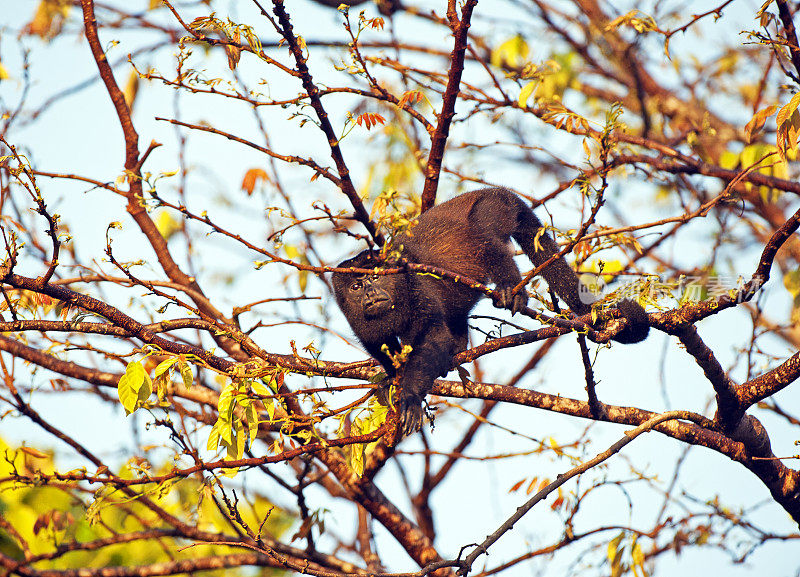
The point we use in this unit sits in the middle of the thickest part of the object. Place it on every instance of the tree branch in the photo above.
(449, 99)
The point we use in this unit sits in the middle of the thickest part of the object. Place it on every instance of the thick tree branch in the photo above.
(449, 99)
(135, 197)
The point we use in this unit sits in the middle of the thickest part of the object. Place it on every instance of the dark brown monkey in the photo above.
(468, 235)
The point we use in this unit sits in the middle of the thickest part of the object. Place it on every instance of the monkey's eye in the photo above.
(356, 286)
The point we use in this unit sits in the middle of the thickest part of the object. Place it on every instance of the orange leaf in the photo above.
(370, 119)
(251, 178)
(34, 453)
(376, 23)
(410, 97)
(516, 486)
(758, 121)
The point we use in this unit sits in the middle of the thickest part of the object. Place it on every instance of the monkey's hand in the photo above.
(508, 300)
(411, 414)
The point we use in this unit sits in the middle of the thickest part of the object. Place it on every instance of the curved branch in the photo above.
(522, 510)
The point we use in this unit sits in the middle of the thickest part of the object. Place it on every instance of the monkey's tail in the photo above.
(560, 277)
(638, 324)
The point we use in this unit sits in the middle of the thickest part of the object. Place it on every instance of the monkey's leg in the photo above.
(503, 272)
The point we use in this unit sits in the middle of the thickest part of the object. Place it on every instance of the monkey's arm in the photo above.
(431, 356)
(378, 351)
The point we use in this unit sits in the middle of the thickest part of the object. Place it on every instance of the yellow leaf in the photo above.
(252, 422)
(34, 453)
(233, 53)
(131, 89)
(134, 387)
(186, 374)
(637, 20)
(226, 404)
(729, 160)
(613, 552)
(637, 555)
(213, 437)
(512, 53)
(526, 93)
(758, 121)
(49, 18)
(260, 389)
(164, 366)
(750, 155)
(167, 225)
(357, 458)
(788, 109)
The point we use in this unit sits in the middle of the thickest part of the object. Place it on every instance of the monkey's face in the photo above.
(376, 305)
(374, 293)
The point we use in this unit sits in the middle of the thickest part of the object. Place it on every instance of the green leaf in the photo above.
(186, 374)
(164, 366)
(226, 403)
(213, 437)
(134, 387)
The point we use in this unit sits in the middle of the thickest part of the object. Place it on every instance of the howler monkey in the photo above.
(468, 235)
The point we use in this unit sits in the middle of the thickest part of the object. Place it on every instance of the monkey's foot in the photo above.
(509, 300)
(464, 375)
